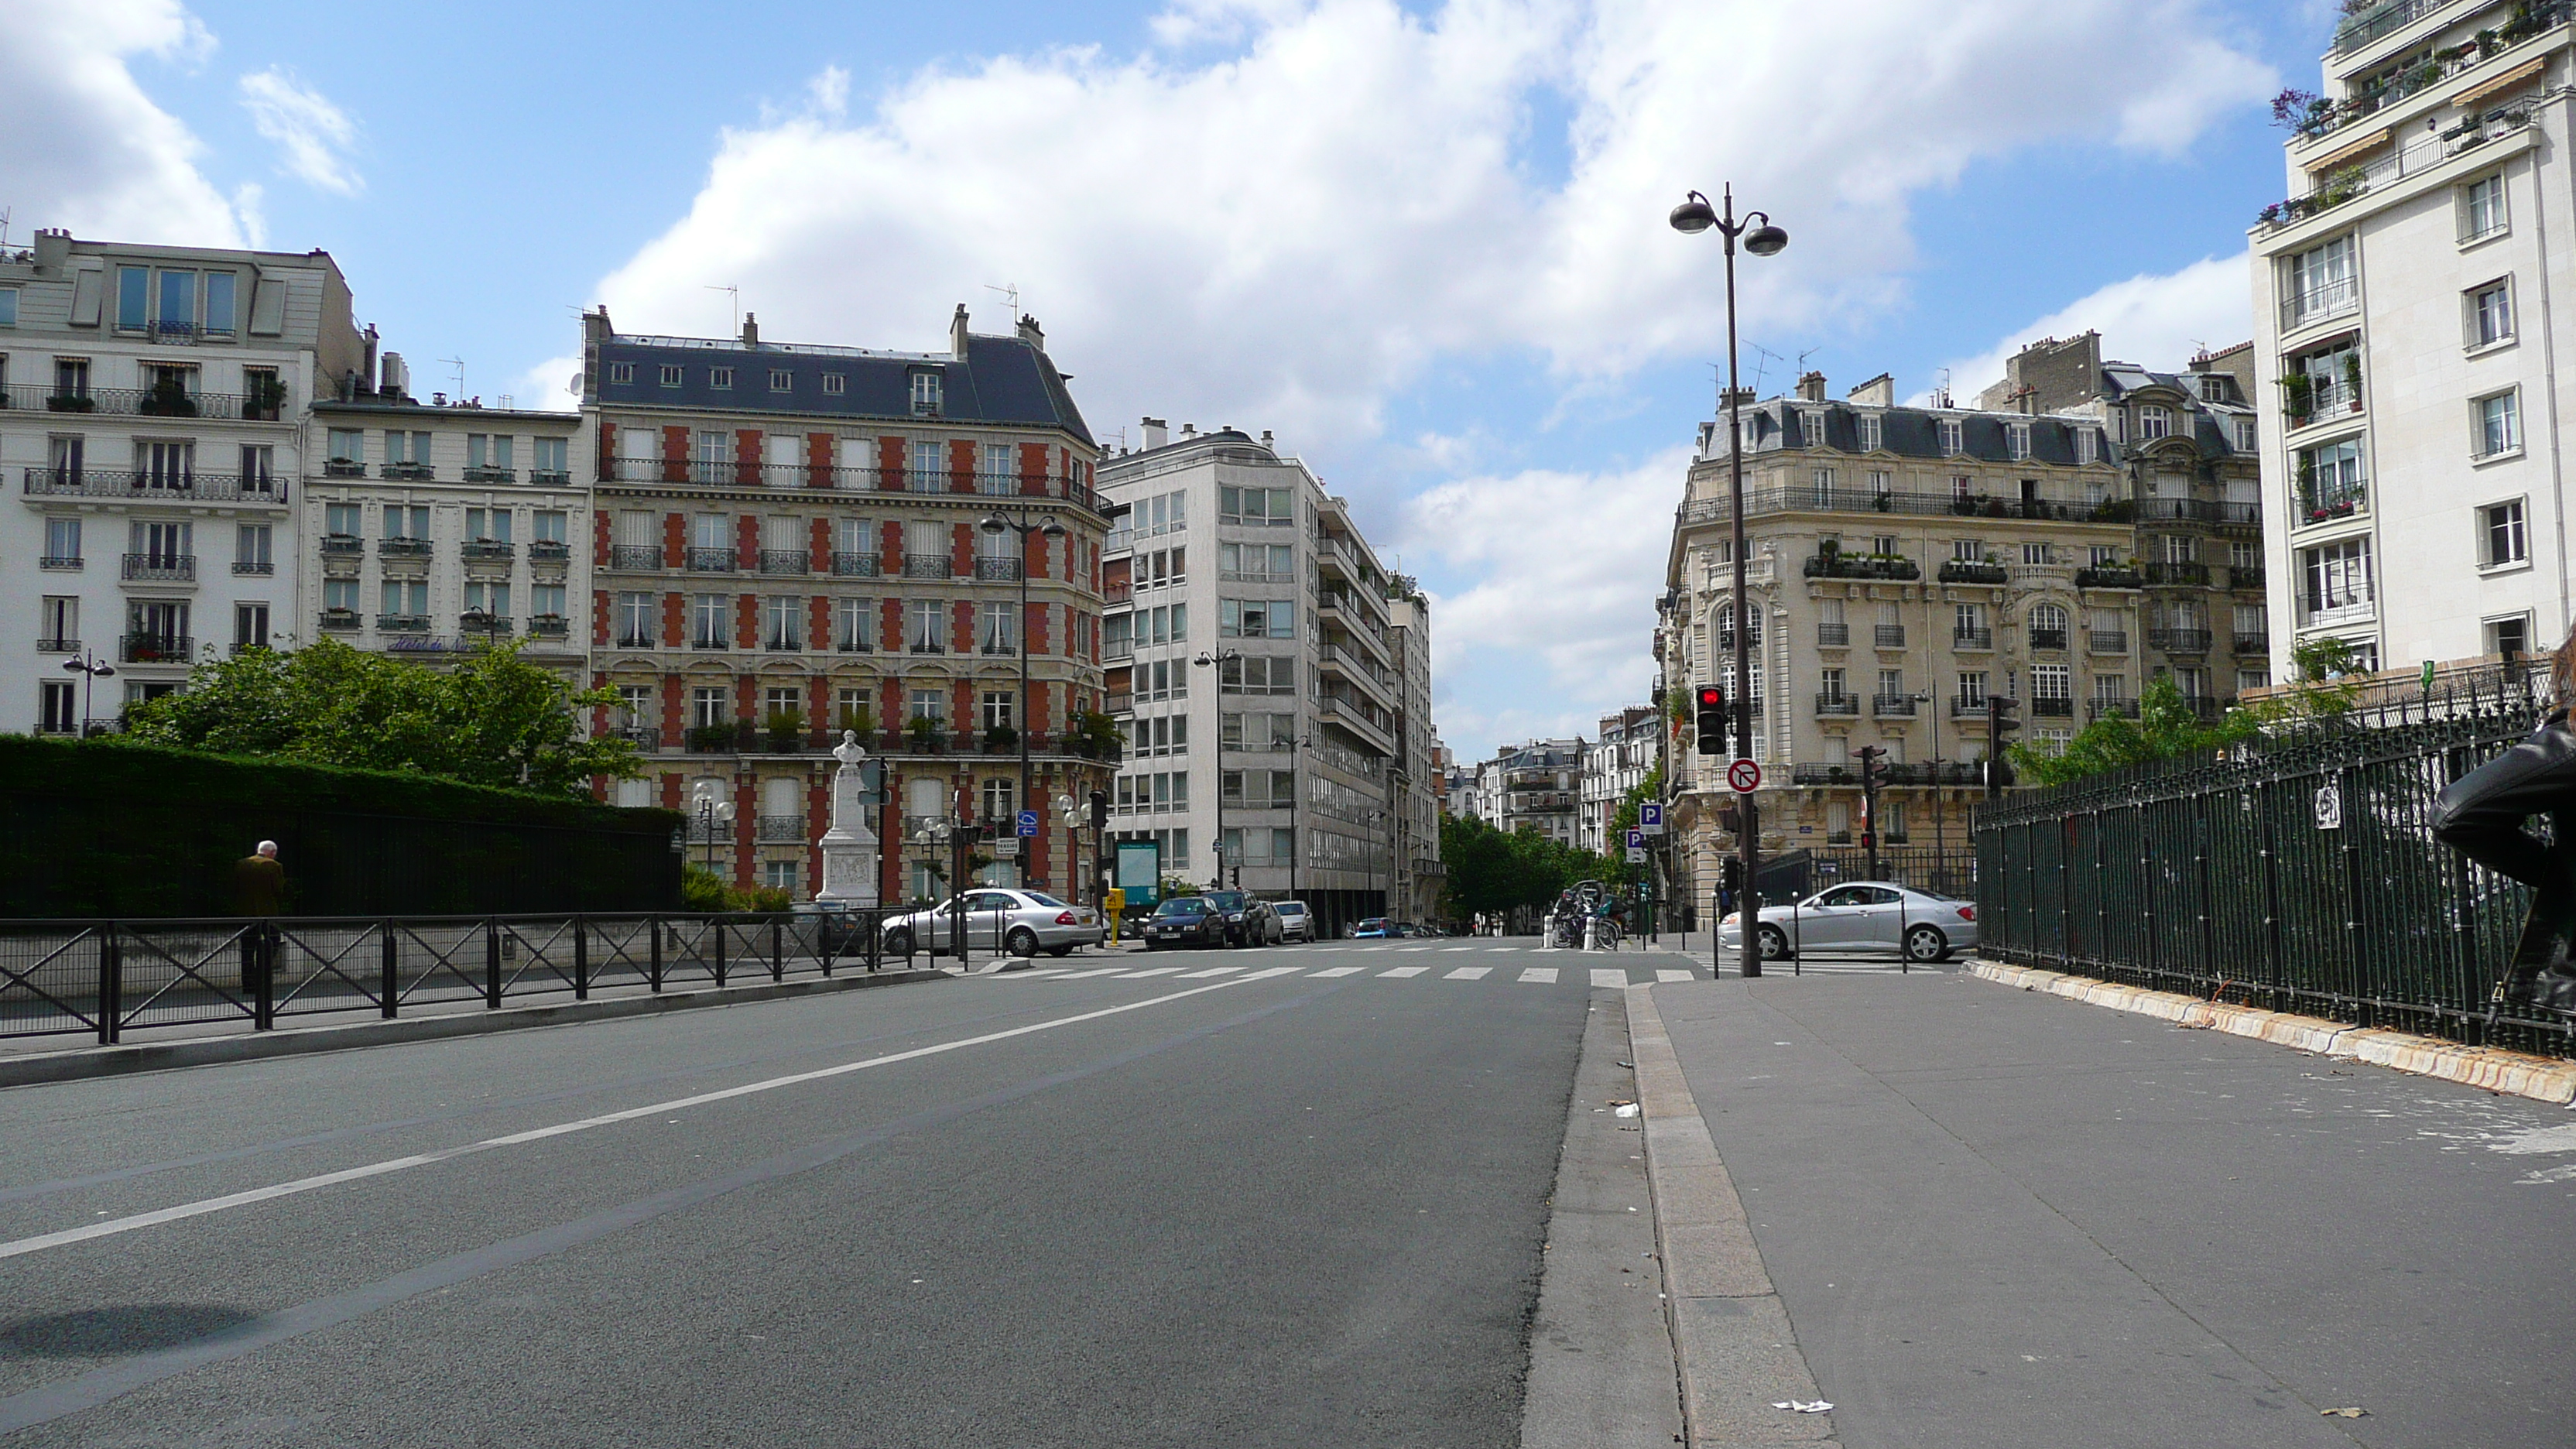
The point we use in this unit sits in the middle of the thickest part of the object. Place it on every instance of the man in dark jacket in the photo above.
(259, 889)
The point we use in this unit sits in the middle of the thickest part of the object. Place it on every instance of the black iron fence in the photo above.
(102, 978)
(2298, 874)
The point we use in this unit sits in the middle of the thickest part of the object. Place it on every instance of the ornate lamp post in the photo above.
(1693, 216)
(1047, 528)
(88, 664)
(712, 810)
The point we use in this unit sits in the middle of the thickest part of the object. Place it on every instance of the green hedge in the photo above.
(100, 828)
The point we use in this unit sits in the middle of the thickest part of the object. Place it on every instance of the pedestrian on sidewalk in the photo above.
(2481, 816)
(259, 891)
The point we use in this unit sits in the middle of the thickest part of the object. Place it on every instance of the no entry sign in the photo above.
(1744, 777)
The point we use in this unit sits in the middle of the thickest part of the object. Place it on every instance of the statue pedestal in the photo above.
(849, 847)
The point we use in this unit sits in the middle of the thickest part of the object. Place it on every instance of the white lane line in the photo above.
(1417, 948)
(1269, 971)
(1095, 971)
(1457, 948)
(1675, 976)
(1604, 976)
(1034, 975)
(1151, 971)
(1211, 971)
(1339, 971)
(1405, 971)
(1469, 973)
(113, 1226)
(1543, 975)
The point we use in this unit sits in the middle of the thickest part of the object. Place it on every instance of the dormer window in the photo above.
(1869, 432)
(781, 380)
(720, 378)
(2087, 445)
(670, 375)
(621, 372)
(1811, 429)
(2154, 422)
(2017, 440)
(2213, 389)
(1952, 444)
(834, 383)
(925, 394)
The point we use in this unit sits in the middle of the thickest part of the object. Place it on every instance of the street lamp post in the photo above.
(712, 811)
(1693, 216)
(93, 668)
(1218, 661)
(1046, 527)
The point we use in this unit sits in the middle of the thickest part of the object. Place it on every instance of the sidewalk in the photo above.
(1995, 1217)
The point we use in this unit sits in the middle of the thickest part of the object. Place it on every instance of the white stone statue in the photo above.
(849, 846)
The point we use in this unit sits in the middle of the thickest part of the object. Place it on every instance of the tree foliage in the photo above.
(1490, 871)
(2166, 727)
(494, 719)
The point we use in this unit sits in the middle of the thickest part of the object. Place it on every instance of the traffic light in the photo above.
(1999, 724)
(1730, 874)
(1870, 779)
(1099, 809)
(1712, 720)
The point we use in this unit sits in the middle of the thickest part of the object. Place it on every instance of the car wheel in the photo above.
(1059, 950)
(1022, 942)
(898, 943)
(1773, 943)
(1926, 943)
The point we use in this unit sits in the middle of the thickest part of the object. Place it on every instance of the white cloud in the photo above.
(314, 135)
(2154, 321)
(88, 150)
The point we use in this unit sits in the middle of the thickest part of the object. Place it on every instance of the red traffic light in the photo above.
(1711, 697)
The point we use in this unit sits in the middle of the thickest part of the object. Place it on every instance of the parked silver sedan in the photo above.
(1870, 917)
(1022, 923)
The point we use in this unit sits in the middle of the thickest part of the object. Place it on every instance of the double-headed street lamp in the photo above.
(94, 668)
(1046, 527)
(712, 810)
(1692, 217)
(1218, 661)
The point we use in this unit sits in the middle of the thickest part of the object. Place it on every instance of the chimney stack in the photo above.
(1878, 392)
(1155, 433)
(1811, 388)
(750, 329)
(1265, 441)
(957, 333)
(1032, 334)
(53, 249)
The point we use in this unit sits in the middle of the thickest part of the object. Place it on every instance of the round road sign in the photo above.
(1744, 777)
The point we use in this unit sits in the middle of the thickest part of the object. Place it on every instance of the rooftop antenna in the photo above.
(4, 228)
(1803, 356)
(736, 294)
(1942, 398)
(457, 363)
(1010, 290)
(1768, 356)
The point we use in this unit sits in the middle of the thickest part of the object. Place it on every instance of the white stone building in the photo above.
(1618, 762)
(155, 406)
(2407, 297)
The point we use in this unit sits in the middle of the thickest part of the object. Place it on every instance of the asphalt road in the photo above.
(1048, 1208)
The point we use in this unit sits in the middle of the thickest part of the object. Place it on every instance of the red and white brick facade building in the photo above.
(788, 543)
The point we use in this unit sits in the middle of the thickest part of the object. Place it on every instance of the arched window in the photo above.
(2047, 618)
(1726, 626)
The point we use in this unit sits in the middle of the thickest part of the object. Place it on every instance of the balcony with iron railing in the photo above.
(159, 486)
(789, 828)
(2048, 706)
(1968, 706)
(2106, 641)
(486, 550)
(2329, 501)
(1889, 636)
(712, 560)
(491, 475)
(402, 623)
(1972, 638)
(928, 566)
(635, 557)
(2198, 510)
(60, 644)
(150, 402)
(2106, 708)
(729, 473)
(1892, 706)
(2245, 576)
(2047, 638)
(2253, 643)
(2109, 577)
(1833, 636)
(155, 648)
(1973, 571)
(2426, 151)
(1837, 704)
(996, 570)
(340, 621)
(2179, 641)
(2173, 575)
(710, 639)
(786, 561)
(549, 626)
(403, 547)
(549, 550)
(161, 568)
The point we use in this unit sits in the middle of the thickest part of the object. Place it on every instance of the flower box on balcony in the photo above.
(1966, 571)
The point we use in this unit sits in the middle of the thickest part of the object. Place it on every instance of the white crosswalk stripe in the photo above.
(1095, 971)
(1150, 971)
(1605, 976)
(1457, 948)
(1468, 973)
(1267, 971)
(1405, 971)
(1675, 976)
(1211, 971)
(1034, 975)
(1339, 971)
(1542, 975)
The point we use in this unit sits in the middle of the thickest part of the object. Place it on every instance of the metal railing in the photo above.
(712, 560)
(1892, 706)
(2179, 641)
(1833, 636)
(1002, 569)
(2105, 708)
(734, 474)
(104, 978)
(2047, 638)
(149, 486)
(168, 568)
(404, 547)
(2198, 510)
(1838, 703)
(143, 401)
(486, 549)
(928, 566)
(642, 557)
(2169, 574)
(2368, 26)
(2106, 641)
(786, 561)
(148, 648)
(847, 565)
(2298, 873)
(1890, 636)
(1972, 638)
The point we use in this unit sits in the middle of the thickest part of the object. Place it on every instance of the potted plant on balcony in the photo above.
(1001, 739)
(71, 402)
(266, 397)
(2298, 397)
(925, 734)
(711, 739)
(786, 730)
(1096, 736)
(168, 398)
(2352, 379)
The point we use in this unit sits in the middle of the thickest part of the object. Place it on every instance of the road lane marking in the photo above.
(1034, 975)
(1469, 973)
(203, 1206)
(1405, 971)
(1542, 975)
(1095, 971)
(1339, 971)
(1604, 976)
(1675, 976)
(1211, 971)
(1269, 971)
(1150, 971)
(1457, 948)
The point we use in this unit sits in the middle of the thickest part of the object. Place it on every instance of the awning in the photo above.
(2342, 154)
(2528, 70)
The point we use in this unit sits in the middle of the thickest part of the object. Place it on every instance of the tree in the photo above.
(494, 719)
(2165, 727)
(1493, 872)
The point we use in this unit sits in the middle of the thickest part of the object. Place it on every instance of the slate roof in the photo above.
(1001, 380)
(1916, 433)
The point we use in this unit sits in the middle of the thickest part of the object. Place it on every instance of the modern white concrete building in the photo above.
(1254, 658)
(156, 400)
(2407, 299)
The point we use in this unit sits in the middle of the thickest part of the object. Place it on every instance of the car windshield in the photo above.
(1292, 908)
(1050, 902)
(1182, 906)
(1374, 923)
(1224, 900)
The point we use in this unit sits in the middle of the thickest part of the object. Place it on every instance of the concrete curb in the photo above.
(1732, 1344)
(109, 1061)
(2544, 1079)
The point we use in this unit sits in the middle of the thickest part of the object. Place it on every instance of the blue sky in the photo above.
(1424, 244)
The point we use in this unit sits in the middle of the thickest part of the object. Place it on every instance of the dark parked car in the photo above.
(1372, 929)
(1185, 921)
(1249, 921)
